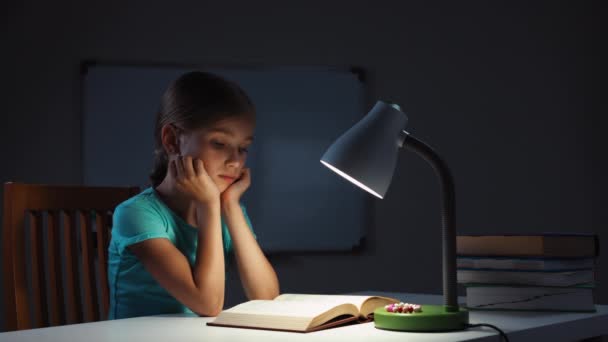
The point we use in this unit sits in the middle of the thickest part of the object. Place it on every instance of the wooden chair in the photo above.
(72, 219)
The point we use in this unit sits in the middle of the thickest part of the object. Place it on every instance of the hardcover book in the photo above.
(541, 278)
(530, 298)
(301, 312)
(542, 245)
(512, 263)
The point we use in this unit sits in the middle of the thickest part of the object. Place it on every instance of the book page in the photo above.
(309, 308)
(330, 299)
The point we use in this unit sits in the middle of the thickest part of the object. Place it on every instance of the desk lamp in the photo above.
(366, 155)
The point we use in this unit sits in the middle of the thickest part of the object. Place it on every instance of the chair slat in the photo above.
(101, 222)
(55, 281)
(10, 219)
(17, 314)
(88, 267)
(73, 305)
(39, 300)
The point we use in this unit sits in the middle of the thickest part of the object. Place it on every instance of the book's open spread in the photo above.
(365, 304)
(301, 312)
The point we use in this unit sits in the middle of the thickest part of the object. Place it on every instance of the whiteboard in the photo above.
(295, 203)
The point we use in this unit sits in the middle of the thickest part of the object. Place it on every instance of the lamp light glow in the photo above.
(351, 179)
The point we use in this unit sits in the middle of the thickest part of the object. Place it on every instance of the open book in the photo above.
(301, 312)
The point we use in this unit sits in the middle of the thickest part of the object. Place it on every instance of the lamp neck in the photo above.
(448, 217)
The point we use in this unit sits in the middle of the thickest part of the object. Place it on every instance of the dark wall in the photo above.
(510, 94)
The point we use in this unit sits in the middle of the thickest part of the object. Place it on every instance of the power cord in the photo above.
(502, 333)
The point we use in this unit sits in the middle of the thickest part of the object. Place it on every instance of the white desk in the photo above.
(519, 326)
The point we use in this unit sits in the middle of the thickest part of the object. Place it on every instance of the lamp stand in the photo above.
(448, 316)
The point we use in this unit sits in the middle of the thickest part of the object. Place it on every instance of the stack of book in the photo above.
(545, 272)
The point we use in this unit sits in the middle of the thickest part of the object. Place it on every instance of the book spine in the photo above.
(526, 245)
(532, 277)
(524, 270)
(590, 285)
(524, 264)
(530, 298)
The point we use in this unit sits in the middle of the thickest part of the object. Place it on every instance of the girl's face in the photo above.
(222, 147)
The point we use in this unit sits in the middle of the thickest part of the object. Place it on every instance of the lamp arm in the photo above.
(448, 217)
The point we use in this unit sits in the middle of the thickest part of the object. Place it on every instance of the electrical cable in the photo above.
(502, 333)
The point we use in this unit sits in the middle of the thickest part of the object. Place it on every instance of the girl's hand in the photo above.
(233, 193)
(192, 180)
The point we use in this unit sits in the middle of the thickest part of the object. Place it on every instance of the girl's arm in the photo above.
(257, 275)
(200, 288)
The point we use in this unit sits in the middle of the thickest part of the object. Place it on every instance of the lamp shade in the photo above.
(366, 154)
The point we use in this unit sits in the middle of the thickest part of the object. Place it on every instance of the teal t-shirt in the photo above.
(133, 291)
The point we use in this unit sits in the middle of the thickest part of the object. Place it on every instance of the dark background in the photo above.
(509, 93)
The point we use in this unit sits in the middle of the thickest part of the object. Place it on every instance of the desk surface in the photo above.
(520, 326)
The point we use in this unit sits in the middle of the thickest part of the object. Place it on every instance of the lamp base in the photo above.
(432, 318)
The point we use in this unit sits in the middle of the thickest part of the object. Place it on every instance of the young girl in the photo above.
(169, 243)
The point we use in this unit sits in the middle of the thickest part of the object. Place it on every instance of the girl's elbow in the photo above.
(268, 294)
(209, 308)
(274, 294)
(275, 291)
(209, 313)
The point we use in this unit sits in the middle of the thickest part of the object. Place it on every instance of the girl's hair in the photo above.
(195, 100)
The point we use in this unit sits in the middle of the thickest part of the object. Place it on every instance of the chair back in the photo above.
(55, 237)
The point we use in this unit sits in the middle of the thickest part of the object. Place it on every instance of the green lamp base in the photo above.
(432, 318)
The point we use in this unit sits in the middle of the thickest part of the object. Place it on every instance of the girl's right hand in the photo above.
(192, 180)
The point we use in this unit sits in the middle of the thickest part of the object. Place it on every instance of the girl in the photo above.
(169, 243)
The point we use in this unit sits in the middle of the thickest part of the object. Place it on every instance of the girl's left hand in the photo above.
(233, 193)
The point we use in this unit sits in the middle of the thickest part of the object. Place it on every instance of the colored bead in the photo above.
(401, 307)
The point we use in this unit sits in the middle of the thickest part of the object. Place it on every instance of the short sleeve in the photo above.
(134, 223)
